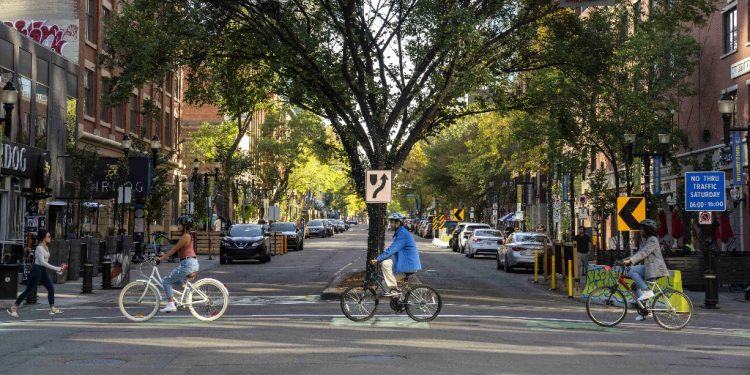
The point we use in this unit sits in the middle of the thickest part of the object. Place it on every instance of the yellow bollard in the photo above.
(554, 277)
(570, 279)
(536, 267)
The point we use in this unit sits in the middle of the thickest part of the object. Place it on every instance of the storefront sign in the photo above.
(739, 68)
(106, 174)
(26, 161)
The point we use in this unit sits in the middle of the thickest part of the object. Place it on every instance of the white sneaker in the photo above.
(169, 308)
(646, 295)
(640, 318)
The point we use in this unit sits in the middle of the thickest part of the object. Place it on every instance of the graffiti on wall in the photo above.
(54, 37)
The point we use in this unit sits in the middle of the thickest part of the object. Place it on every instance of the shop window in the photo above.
(72, 120)
(40, 138)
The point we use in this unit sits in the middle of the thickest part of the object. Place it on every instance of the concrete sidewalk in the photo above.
(69, 293)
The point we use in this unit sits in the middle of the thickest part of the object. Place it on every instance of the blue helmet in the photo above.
(396, 217)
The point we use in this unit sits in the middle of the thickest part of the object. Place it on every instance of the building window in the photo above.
(730, 30)
(104, 101)
(40, 138)
(105, 27)
(120, 116)
(133, 108)
(168, 129)
(88, 90)
(90, 27)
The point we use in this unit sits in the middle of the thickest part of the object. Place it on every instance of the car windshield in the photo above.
(530, 238)
(282, 227)
(315, 223)
(245, 231)
(487, 233)
(471, 228)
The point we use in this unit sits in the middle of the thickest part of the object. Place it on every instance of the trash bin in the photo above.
(8, 281)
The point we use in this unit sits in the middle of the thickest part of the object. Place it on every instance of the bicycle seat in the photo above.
(192, 275)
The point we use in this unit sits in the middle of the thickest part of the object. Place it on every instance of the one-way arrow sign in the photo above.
(378, 186)
(630, 211)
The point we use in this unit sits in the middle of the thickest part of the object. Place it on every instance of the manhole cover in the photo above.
(377, 358)
(96, 362)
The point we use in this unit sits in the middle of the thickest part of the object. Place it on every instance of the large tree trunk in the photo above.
(376, 233)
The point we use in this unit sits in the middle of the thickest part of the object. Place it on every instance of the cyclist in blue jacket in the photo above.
(401, 257)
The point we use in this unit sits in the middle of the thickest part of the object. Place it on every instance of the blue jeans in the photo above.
(638, 274)
(38, 275)
(178, 276)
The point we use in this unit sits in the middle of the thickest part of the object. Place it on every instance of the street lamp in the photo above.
(126, 143)
(9, 97)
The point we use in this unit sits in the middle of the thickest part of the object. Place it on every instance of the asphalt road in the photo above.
(491, 323)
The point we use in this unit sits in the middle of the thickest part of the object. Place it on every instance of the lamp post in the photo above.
(126, 143)
(9, 97)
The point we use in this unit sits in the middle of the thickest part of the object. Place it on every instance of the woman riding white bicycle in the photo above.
(188, 261)
(653, 266)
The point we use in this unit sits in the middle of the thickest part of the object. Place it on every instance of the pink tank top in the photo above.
(189, 250)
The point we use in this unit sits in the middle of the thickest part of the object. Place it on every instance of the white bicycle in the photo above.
(207, 299)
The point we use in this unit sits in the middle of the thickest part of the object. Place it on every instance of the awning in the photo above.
(56, 203)
(508, 217)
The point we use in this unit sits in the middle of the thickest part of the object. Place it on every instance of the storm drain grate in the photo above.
(96, 362)
(377, 358)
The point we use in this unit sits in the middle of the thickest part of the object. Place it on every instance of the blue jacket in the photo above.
(403, 249)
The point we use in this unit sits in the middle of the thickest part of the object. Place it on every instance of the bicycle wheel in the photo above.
(423, 303)
(208, 300)
(139, 301)
(672, 310)
(359, 303)
(606, 306)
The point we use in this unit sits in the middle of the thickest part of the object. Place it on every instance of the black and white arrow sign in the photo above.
(378, 186)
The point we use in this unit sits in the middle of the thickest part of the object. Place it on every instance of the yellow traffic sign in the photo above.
(630, 211)
(440, 222)
(458, 214)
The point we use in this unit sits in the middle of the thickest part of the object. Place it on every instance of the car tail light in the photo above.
(517, 248)
(475, 239)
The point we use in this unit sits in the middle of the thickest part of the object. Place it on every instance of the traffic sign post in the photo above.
(630, 211)
(704, 191)
(378, 186)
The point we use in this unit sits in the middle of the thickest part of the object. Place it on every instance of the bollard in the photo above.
(536, 267)
(570, 278)
(88, 276)
(554, 277)
(106, 274)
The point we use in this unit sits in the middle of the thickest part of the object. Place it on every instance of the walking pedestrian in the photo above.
(39, 274)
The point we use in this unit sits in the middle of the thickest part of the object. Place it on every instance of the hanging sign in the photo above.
(738, 157)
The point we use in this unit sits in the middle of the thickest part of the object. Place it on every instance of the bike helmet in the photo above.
(186, 221)
(648, 223)
(396, 217)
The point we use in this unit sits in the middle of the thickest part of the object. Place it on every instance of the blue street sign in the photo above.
(705, 191)
(657, 174)
(738, 157)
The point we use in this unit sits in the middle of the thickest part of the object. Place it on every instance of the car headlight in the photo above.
(256, 244)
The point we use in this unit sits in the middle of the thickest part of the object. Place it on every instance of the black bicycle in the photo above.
(421, 302)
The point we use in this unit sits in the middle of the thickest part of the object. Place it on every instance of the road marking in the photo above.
(381, 322)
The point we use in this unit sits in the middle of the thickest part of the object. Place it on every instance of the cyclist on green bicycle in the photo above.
(188, 261)
(401, 257)
(653, 266)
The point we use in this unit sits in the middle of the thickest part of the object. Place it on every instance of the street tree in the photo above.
(385, 74)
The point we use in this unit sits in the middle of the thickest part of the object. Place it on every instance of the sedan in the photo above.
(484, 242)
(518, 250)
(466, 232)
(293, 234)
(317, 228)
(244, 242)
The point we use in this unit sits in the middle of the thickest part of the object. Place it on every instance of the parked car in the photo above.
(330, 227)
(339, 226)
(453, 242)
(352, 222)
(244, 242)
(317, 228)
(294, 237)
(484, 242)
(518, 250)
(468, 229)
